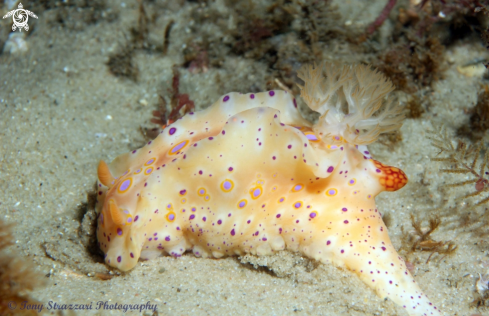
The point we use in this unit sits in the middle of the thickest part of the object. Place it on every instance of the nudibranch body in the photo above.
(250, 175)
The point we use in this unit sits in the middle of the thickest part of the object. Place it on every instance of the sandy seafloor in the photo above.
(61, 111)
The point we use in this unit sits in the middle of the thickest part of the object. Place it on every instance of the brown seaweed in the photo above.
(16, 278)
(463, 159)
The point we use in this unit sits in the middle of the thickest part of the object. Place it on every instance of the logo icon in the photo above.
(20, 18)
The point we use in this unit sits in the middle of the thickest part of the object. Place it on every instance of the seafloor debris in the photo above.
(482, 287)
(414, 107)
(121, 63)
(473, 68)
(422, 241)
(414, 58)
(466, 160)
(15, 43)
(413, 63)
(180, 104)
(16, 278)
(479, 117)
(384, 14)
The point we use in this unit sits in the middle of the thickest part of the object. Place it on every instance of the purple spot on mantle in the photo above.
(271, 93)
(125, 185)
(257, 192)
(227, 185)
(178, 147)
(311, 137)
(225, 98)
(172, 131)
(252, 96)
(330, 169)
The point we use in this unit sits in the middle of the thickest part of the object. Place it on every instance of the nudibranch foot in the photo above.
(250, 175)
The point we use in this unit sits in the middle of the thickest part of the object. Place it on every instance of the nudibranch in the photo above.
(250, 175)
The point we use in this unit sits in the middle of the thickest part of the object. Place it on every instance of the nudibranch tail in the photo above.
(363, 247)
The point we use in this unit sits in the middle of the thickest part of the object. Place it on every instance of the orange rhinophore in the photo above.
(104, 175)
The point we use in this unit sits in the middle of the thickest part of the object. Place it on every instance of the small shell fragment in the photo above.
(15, 44)
(473, 70)
(482, 284)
